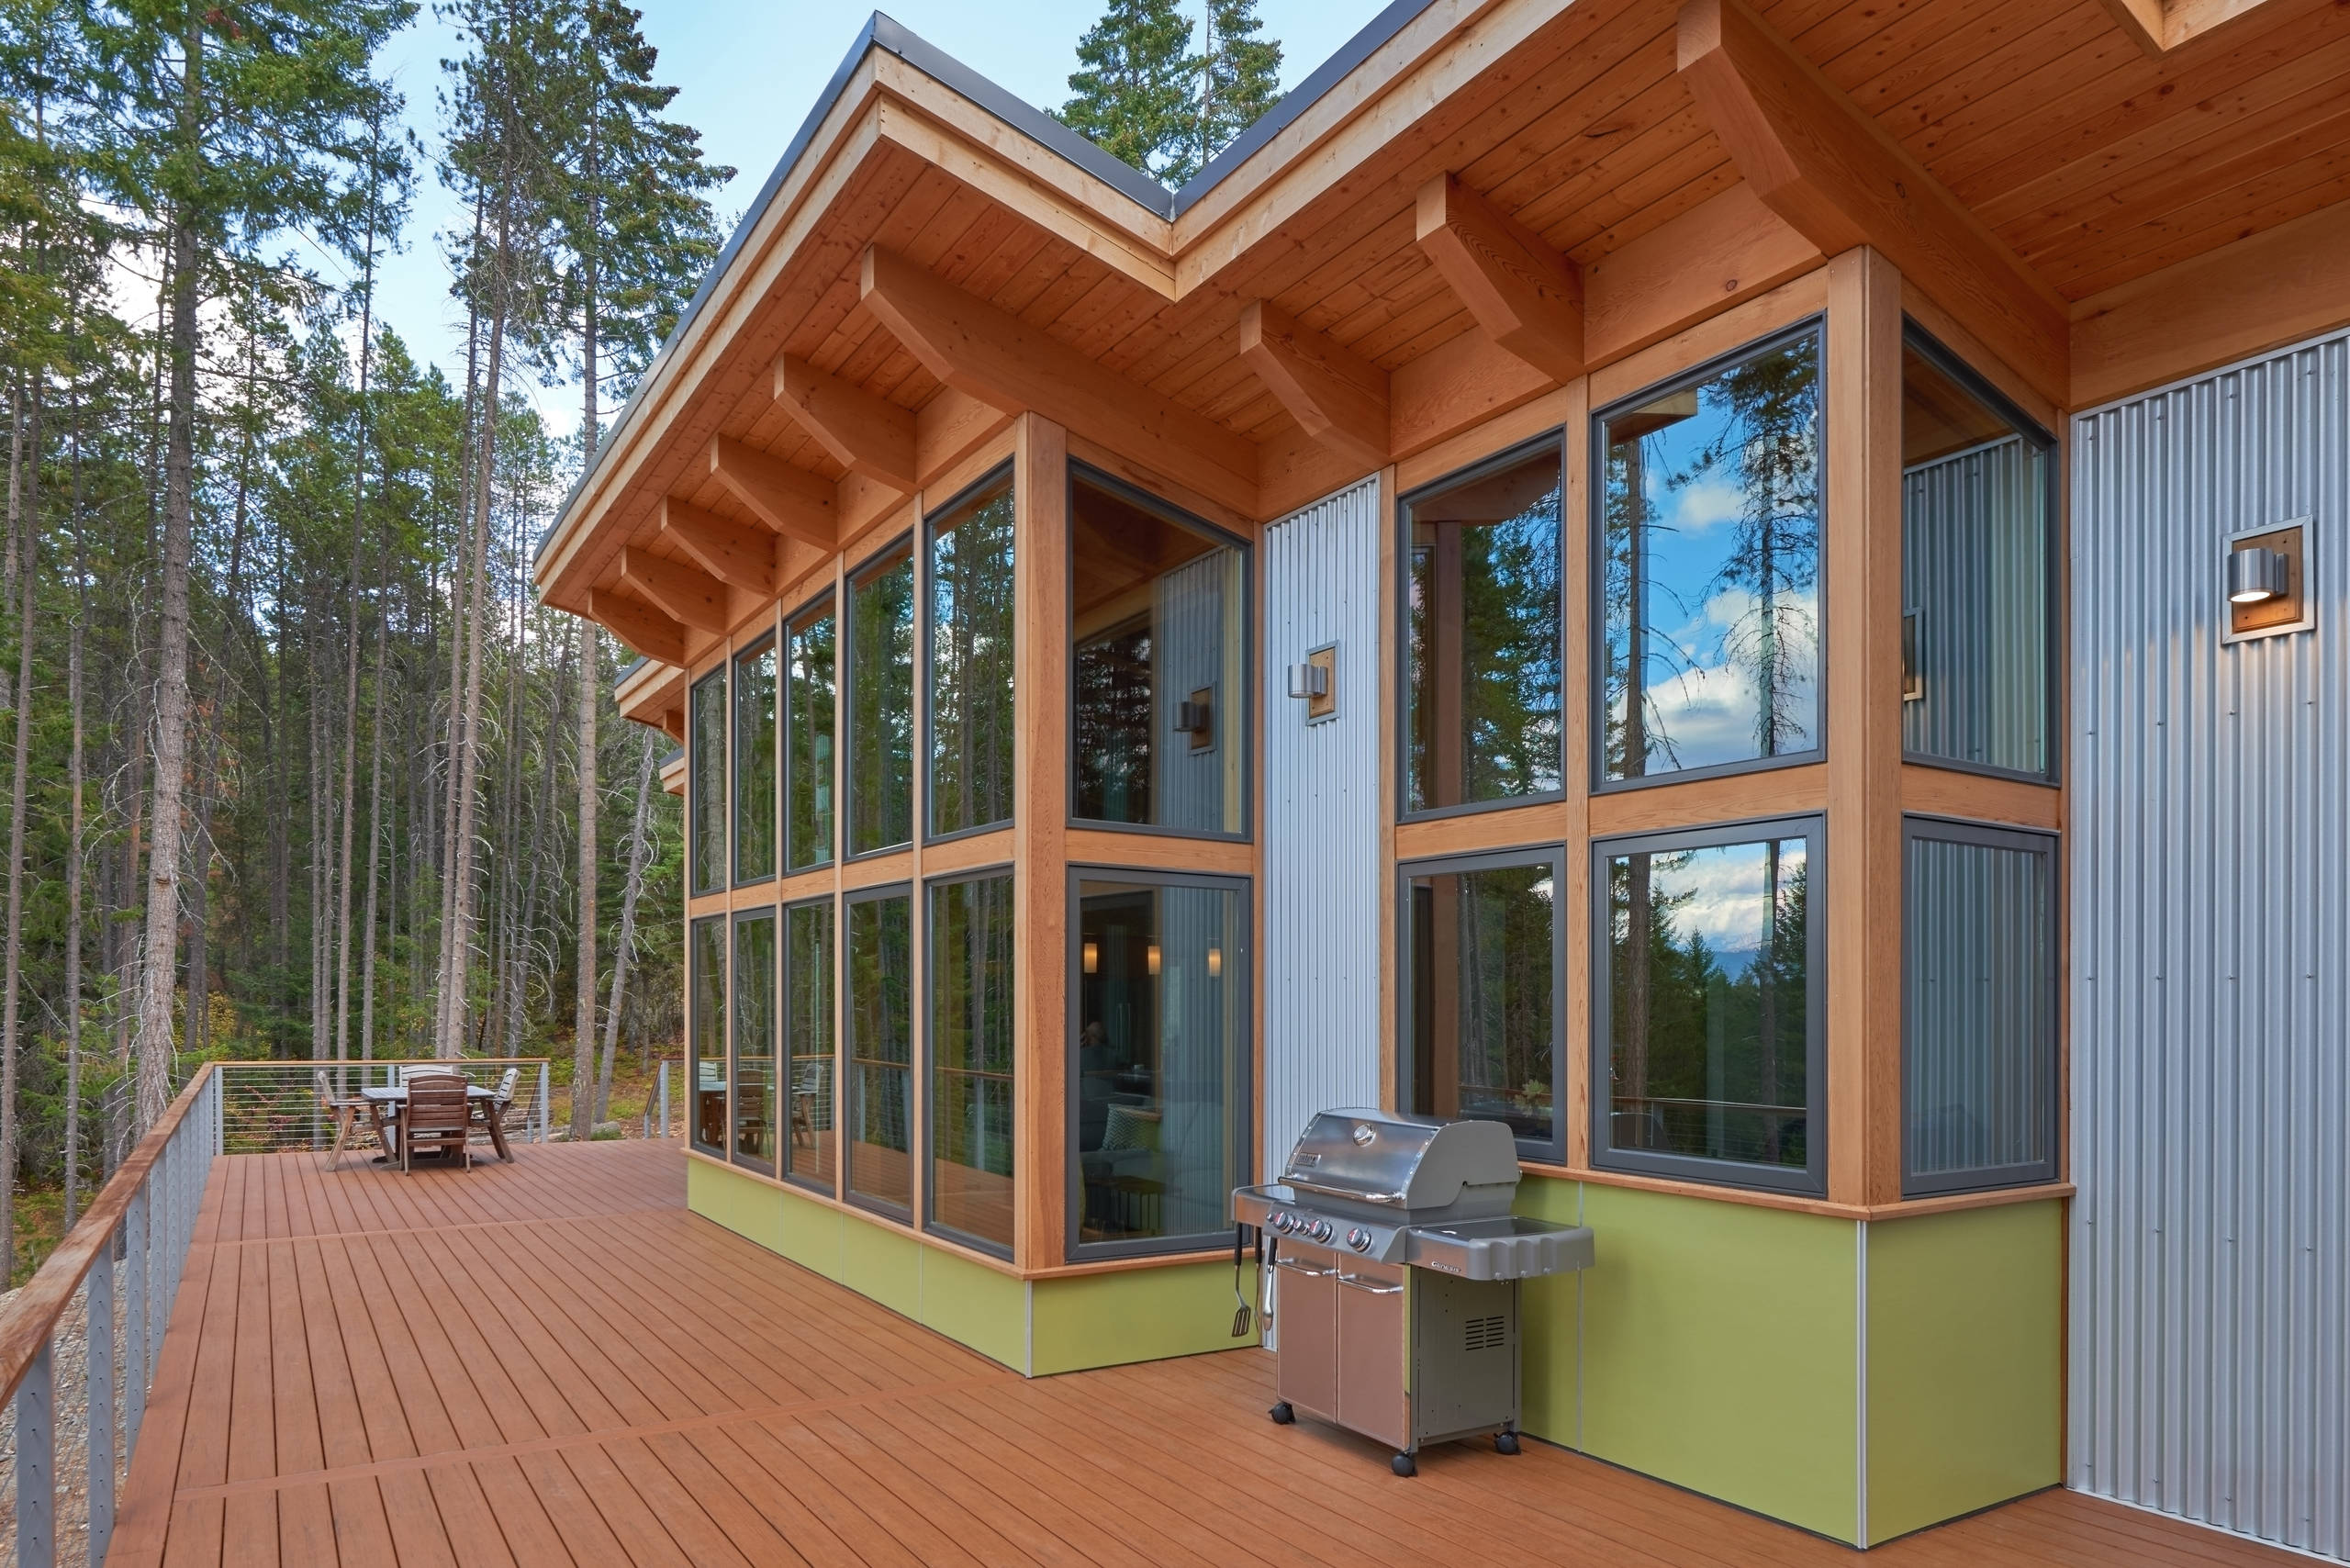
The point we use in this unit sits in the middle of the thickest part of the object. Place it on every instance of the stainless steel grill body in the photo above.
(1396, 1271)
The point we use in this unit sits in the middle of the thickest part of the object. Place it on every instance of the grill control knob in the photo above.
(1322, 1230)
(1359, 1239)
(1282, 1223)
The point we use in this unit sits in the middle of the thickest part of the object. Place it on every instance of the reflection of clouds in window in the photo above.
(1719, 894)
(1699, 503)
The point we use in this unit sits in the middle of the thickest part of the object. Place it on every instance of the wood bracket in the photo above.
(685, 593)
(648, 630)
(1337, 397)
(727, 550)
(1526, 296)
(867, 435)
(790, 501)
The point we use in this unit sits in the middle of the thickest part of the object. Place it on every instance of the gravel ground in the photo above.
(69, 1365)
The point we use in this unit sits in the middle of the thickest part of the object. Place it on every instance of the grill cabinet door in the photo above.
(1372, 1398)
(1306, 1372)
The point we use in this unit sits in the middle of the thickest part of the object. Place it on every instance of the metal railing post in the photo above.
(98, 1425)
(37, 1462)
(665, 1097)
(545, 1108)
(134, 1318)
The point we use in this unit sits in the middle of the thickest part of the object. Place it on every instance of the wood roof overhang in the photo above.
(1475, 202)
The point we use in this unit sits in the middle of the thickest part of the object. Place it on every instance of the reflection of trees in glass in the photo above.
(1753, 428)
(1115, 701)
(709, 781)
(807, 742)
(1484, 946)
(808, 1039)
(970, 1047)
(708, 960)
(755, 1037)
(881, 707)
(1708, 1048)
(1483, 623)
(755, 760)
(880, 1037)
(970, 666)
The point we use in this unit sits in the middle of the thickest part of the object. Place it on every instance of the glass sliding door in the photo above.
(969, 1036)
(706, 1036)
(881, 703)
(706, 782)
(1483, 972)
(810, 1152)
(808, 641)
(970, 661)
(1159, 1103)
(754, 762)
(753, 1045)
(880, 1049)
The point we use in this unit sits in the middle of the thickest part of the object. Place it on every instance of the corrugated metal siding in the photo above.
(2210, 890)
(1323, 886)
(1975, 572)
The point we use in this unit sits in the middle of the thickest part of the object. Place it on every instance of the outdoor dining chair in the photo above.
(348, 1116)
(436, 1115)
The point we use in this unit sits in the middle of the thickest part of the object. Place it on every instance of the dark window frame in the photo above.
(695, 826)
(930, 1221)
(1551, 1151)
(851, 1103)
(766, 641)
(1507, 457)
(1934, 351)
(814, 608)
(784, 1058)
(694, 928)
(925, 637)
(1244, 678)
(1815, 325)
(1245, 1126)
(1811, 1180)
(1951, 830)
(874, 562)
(736, 920)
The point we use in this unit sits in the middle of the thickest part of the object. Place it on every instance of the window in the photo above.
(970, 662)
(706, 1073)
(1709, 1026)
(1977, 571)
(708, 781)
(1159, 1109)
(755, 1038)
(881, 703)
(1158, 609)
(754, 762)
(807, 1042)
(1709, 571)
(809, 642)
(880, 1049)
(1483, 978)
(970, 1125)
(1978, 1058)
(1482, 629)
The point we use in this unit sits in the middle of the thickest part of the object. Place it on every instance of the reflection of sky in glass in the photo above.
(1728, 493)
(1722, 894)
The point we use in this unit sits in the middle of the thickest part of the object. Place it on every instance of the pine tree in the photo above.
(1240, 78)
(1132, 95)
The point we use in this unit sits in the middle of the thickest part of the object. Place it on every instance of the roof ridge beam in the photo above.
(733, 552)
(790, 501)
(685, 593)
(865, 434)
(1337, 397)
(1840, 180)
(1526, 296)
(978, 347)
(637, 624)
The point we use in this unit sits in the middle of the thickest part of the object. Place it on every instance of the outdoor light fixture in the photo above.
(1151, 959)
(1215, 963)
(1308, 680)
(2257, 574)
(1316, 683)
(1092, 956)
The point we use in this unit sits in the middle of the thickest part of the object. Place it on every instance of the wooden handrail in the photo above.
(29, 1322)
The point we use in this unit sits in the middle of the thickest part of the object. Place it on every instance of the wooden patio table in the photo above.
(380, 1102)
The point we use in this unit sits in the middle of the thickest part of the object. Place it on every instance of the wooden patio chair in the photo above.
(436, 1115)
(350, 1118)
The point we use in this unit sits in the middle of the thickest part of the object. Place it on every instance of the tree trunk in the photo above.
(375, 805)
(625, 944)
(25, 533)
(583, 1115)
(74, 855)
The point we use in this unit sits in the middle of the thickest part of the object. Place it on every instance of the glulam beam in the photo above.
(1841, 181)
(657, 635)
(685, 593)
(790, 501)
(865, 434)
(742, 556)
(1526, 296)
(1337, 397)
(992, 354)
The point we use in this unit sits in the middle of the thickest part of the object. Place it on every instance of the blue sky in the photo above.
(747, 72)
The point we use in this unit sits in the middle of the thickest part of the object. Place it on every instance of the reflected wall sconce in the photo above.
(1093, 957)
(1150, 958)
(2266, 577)
(1316, 683)
(1215, 963)
(1195, 718)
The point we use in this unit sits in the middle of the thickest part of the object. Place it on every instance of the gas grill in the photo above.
(1395, 1268)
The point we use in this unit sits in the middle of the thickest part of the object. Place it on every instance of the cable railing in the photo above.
(80, 1343)
(272, 1105)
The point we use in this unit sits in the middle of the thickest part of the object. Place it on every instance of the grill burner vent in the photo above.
(1485, 1334)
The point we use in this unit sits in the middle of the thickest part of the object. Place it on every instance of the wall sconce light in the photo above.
(1092, 951)
(2257, 574)
(1316, 682)
(1150, 959)
(2266, 577)
(1215, 963)
(1195, 718)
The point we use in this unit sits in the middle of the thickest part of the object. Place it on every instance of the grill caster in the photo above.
(1281, 1414)
(1504, 1442)
(1403, 1464)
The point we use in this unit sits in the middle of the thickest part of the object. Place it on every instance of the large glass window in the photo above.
(1482, 625)
(808, 1152)
(970, 1058)
(1710, 1006)
(881, 703)
(1977, 572)
(970, 662)
(707, 768)
(705, 1035)
(1158, 707)
(1480, 1003)
(755, 1038)
(880, 1048)
(808, 643)
(1979, 1059)
(754, 762)
(1160, 1102)
(1708, 576)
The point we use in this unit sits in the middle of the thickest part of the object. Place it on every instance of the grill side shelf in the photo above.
(1512, 1249)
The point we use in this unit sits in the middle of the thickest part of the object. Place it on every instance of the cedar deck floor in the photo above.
(554, 1362)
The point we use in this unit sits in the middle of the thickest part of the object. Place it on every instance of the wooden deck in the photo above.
(554, 1362)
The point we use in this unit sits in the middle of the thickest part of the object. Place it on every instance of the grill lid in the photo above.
(1415, 1163)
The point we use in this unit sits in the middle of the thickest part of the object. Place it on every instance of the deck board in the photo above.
(552, 1364)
